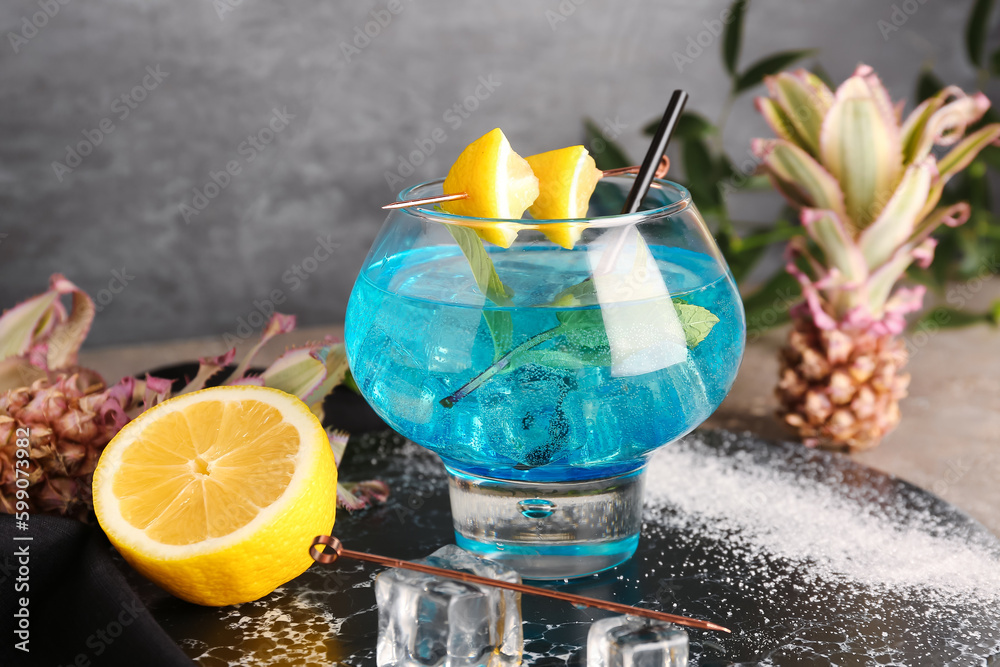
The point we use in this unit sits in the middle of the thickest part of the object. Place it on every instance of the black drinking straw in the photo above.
(656, 149)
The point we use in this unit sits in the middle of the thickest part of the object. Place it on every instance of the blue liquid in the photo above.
(416, 334)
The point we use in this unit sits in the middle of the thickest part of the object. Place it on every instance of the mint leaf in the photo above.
(483, 271)
(501, 326)
(697, 321)
(499, 322)
(585, 328)
(582, 318)
(582, 294)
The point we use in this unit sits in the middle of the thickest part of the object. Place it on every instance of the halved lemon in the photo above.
(566, 180)
(499, 182)
(216, 495)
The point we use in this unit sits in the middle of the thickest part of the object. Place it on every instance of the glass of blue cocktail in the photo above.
(544, 377)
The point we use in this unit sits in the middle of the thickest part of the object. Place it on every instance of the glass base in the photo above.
(548, 530)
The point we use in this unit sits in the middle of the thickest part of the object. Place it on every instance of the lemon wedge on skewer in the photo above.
(500, 185)
(566, 180)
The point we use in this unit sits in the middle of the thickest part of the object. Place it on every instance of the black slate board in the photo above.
(782, 611)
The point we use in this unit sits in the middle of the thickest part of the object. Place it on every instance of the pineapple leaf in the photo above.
(299, 371)
(912, 137)
(860, 146)
(336, 370)
(779, 121)
(42, 322)
(798, 176)
(20, 325)
(898, 219)
(806, 100)
(882, 281)
(831, 234)
(953, 216)
(277, 325)
(939, 121)
(959, 157)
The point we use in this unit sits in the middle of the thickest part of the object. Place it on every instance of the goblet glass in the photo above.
(545, 376)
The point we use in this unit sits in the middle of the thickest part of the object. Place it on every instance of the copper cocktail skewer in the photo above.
(320, 556)
(426, 200)
(661, 171)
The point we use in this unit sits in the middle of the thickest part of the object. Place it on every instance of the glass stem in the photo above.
(499, 365)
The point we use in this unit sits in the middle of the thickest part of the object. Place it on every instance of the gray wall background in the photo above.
(321, 180)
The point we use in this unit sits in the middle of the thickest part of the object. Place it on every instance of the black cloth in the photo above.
(81, 609)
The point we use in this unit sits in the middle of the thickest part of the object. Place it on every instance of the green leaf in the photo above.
(782, 231)
(742, 254)
(755, 182)
(975, 31)
(928, 85)
(691, 124)
(991, 156)
(924, 277)
(951, 318)
(698, 163)
(740, 260)
(584, 330)
(733, 35)
(768, 306)
(697, 321)
(772, 64)
(606, 153)
(699, 170)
